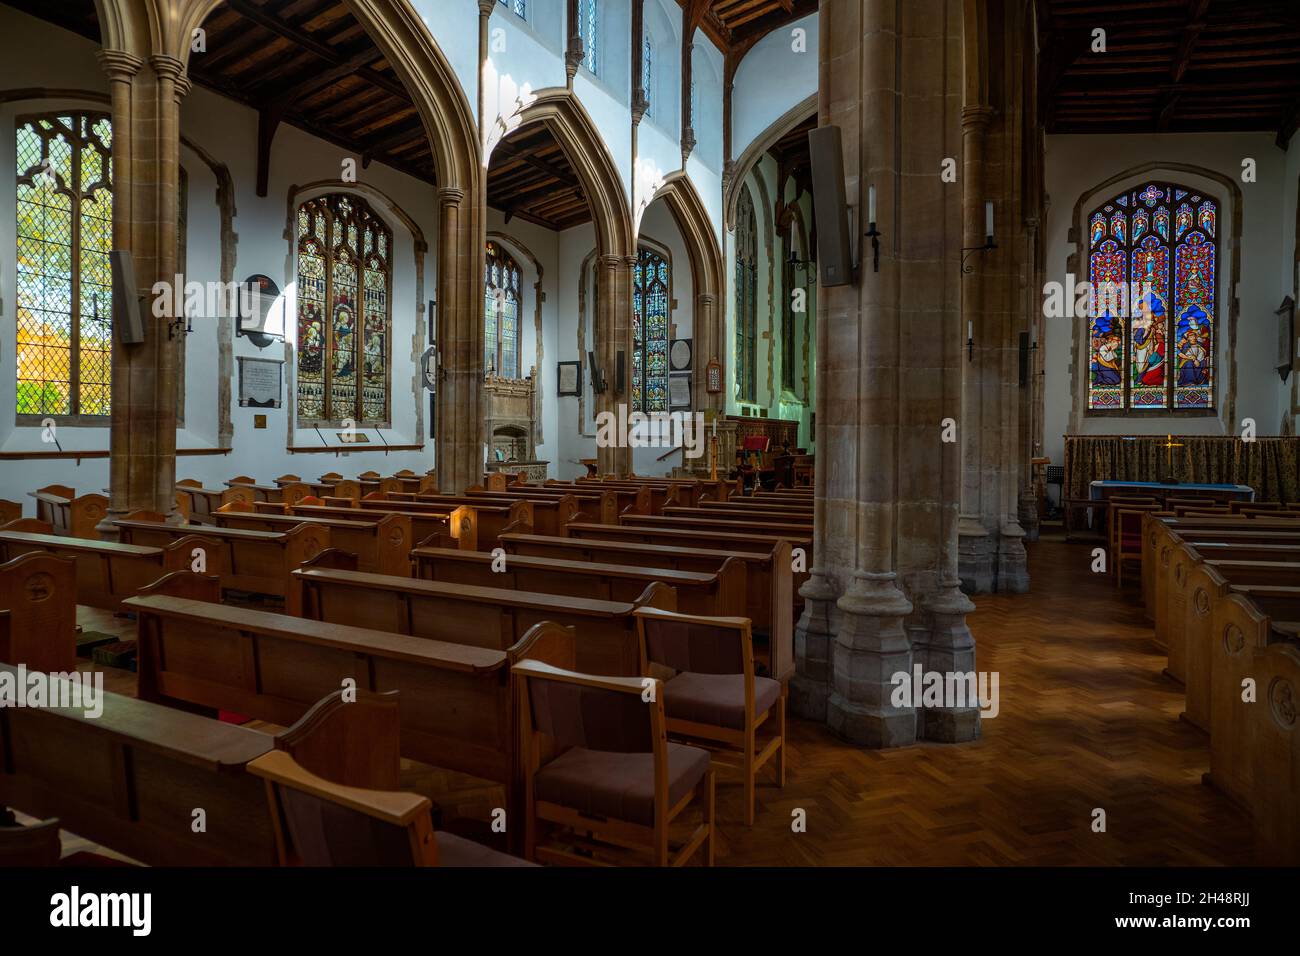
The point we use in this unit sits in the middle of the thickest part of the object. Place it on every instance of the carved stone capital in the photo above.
(451, 195)
(976, 119)
(167, 67)
(118, 64)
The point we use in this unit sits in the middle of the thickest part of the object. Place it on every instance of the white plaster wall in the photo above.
(1076, 165)
(454, 27)
(772, 79)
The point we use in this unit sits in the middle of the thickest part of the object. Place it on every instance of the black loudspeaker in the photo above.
(620, 372)
(126, 304)
(597, 380)
(1024, 359)
(830, 208)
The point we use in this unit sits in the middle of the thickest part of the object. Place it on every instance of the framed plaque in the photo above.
(260, 382)
(679, 391)
(713, 377)
(568, 378)
(679, 355)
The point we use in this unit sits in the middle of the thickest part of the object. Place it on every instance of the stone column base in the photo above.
(974, 556)
(871, 647)
(814, 636)
(951, 651)
(1013, 568)
(1029, 515)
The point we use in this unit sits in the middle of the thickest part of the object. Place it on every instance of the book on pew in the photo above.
(117, 654)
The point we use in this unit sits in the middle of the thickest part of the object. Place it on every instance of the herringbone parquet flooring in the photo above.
(1087, 721)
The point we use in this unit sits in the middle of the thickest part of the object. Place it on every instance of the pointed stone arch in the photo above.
(580, 138)
(705, 254)
(755, 150)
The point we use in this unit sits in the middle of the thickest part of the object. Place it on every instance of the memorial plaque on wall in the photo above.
(260, 382)
(679, 391)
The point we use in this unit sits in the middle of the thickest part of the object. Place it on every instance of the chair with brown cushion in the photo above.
(318, 823)
(597, 764)
(715, 695)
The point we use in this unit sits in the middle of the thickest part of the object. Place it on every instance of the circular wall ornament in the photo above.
(679, 355)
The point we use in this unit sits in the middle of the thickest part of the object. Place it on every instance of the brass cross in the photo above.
(1170, 445)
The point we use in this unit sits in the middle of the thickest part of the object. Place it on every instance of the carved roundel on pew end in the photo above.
(1233, 639)
(39, 587)
(1178, 573)
(1164, 557)
(465, 524)
(1282, 703)
(1202, 602)
(396, 536)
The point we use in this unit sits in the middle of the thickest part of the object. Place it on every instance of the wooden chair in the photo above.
(597, 762)
(1126, 536)
(35, 845)
(319, 823)
(715, 696)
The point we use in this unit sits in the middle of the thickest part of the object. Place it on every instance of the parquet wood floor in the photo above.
(1087, 721)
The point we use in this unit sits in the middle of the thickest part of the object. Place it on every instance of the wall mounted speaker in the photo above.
(597, 380)
(126, 304)
(620, 373)
(831, 209)
(1024, 359)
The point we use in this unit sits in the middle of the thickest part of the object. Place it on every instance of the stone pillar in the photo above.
(460, 347)
(884, 579)
(145, 97)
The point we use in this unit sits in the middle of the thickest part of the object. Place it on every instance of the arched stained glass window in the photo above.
(746, 299)
(648, 72)
(344, 312)
(589, 31)
(651, 307)
(1152, 312)
(519, 7)
(500, 314)
(64, 283)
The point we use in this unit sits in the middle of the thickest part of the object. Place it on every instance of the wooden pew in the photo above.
(769, 591)
(132, 777)
(1157, 545)
(488, 521)
(108, 572)
(495, 618)
(281, 494)
(661, 494)
(457, 526)
(382, 546)
(456, 706)
(38, 612)
(203, 503)
(68, 514)
(10, 511)
(549, 514)
(631, 499)
(799, 531)
(715, 513)
(596, 506)
(1274, 740)
(1247, 623)
(718, 593)
(256, 561)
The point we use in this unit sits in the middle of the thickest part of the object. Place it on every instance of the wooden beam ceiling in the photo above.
(308, 63)
(1170, 66)
(532, 178)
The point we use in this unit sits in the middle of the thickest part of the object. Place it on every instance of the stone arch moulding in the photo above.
(755, 150)
(398, 218)
(579, 137)
(705, 254)
(517, 247)
(1076, 262)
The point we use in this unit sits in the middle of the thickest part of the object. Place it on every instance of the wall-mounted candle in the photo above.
(988, 219)
(970, 330)
(715, 424)
(871, 205)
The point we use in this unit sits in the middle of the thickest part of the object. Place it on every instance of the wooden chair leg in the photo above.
(709, 812)
(780, 753)
(749, 776)
(661, 840)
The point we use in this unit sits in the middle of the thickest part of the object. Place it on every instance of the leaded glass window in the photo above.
(344, 311)
(651, 313)
(746, 299)
(519, 7)
(588, 30)
(64, 282)
(647, 73)
(1153, 269)
(500, 313)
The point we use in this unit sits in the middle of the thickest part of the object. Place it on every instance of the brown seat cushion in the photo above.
(716, 699)
(457, 851)
(618, 785)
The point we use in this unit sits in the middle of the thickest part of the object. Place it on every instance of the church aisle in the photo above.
(1087, 721)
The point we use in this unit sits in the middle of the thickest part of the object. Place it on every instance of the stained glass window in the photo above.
(588, 30)
(500, 314)
(651, 308)
(344, 312)
(64, 283)
(647, 72)
(1152, 308)
(520, 7)
(746, 299)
